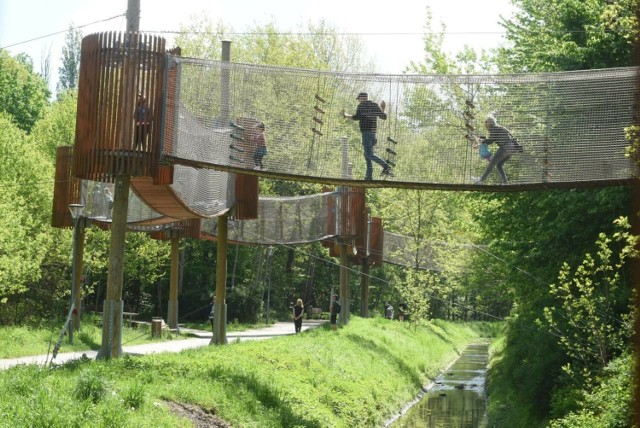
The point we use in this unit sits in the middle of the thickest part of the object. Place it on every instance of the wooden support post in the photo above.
(77, 285)
(364, 288)
(172, 306)
(220, 311)
(344, 282)
(113, 305)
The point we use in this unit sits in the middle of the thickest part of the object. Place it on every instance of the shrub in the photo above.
(91, 386)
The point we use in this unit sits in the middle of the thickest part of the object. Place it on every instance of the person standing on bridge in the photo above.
(142, 117)
(261, 146)
(506, 147)
(367, 114)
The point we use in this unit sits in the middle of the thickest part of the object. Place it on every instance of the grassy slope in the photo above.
(358, 376)
(17, 341)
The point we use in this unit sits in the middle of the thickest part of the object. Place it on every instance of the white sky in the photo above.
(470, 22)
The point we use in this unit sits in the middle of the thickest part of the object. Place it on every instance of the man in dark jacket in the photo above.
(367, 115)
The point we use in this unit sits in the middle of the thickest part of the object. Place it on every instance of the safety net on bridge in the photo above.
(281, 221)
(285, 220)
(571, 125)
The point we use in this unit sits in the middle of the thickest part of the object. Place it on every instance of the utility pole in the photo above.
(113, 306)
(133, 16)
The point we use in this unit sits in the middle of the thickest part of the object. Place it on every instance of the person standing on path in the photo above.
(388, 311)
(334, 310)
(367, 114)
(212, 314)
(298, 311)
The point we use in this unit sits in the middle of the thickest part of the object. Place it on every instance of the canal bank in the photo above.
(456, 398)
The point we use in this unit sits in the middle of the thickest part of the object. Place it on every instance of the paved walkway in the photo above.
(202, 338)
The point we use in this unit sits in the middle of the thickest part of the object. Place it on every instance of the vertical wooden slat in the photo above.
(66, 189)
(114, 68)
(376, 242)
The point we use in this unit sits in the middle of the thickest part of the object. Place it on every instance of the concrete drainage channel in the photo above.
(456, 398)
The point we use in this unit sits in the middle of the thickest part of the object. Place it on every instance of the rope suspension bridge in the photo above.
(183, 135)
(571, 125)
(194, 158)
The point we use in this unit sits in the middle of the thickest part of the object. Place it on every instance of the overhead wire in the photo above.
(62, 31)
(294, 33)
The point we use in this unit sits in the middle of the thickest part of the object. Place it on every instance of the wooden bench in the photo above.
(136, 324)
(128, 316)
(316, 312)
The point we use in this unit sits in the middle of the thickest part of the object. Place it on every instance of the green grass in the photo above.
(25, 341)
(358, 376)
(231, 327)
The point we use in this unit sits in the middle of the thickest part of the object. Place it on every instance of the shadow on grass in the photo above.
(380, 350)
(269, 396)
(89, 340)
(435, 329)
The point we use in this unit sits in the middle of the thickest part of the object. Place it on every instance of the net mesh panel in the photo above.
(204, 190)
(291, 220)
(96, 204)
(571, 124)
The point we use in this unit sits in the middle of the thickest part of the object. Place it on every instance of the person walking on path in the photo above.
(388, 311)
(334, 310)
(298, 311)
(402, 311)
(367, 114)
(212, 314)
(507, 147)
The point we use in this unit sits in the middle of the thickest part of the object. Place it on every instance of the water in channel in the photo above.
(457, 399)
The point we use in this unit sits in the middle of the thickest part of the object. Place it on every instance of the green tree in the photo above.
(590, 306)
(607, 405)
(318, 46)
(58, 124)
(25, 207)
(532, 234)
(70, 68)
(23, 94)
(564, 35)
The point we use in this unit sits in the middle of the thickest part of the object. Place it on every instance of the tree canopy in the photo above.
(23, 94)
